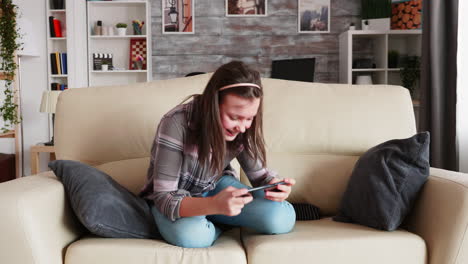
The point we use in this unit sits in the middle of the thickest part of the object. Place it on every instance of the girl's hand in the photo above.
(280, 192)
(231, 200)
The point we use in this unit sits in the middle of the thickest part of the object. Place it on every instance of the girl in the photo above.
(191, 184)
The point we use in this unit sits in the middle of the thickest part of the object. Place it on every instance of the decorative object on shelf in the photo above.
(9, 39)
(99, 59)
(104, 67)
(246, 7)
(364, 79)
(314, 16)
(137, 27)
(98, 28)
(121, 29)
(376, 13)
(48, 103)
(393, 57)
(110, 31)
(407, 14)
(137, 54)
(365, 24)
(410, 72)
(363, 64)
(178, 17)
(352, 26)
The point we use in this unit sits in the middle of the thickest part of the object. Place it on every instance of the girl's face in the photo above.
(237, 114)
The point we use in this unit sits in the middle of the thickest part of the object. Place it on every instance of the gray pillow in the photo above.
(385, 183)
(103, 206)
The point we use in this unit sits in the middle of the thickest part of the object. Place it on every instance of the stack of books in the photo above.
(58, 86)
(58, 63)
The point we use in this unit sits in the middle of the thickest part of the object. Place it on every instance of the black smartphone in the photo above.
(266, 186)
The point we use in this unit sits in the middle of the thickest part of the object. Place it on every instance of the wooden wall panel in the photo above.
(255, 40)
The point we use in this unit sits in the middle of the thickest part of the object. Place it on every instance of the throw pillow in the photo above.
(103, 206)
(385, 183)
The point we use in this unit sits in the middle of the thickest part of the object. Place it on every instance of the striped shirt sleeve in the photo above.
(167, 157)
(257, 174)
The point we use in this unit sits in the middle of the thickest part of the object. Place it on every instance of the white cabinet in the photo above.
(371, 47)
(107, 41)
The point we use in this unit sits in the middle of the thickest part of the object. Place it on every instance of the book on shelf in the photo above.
(55, 27)
(58, 63)
(58, 86)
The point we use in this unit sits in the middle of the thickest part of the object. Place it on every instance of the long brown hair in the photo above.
(207, 131)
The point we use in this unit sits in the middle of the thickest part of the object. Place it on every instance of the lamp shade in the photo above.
(49, 101)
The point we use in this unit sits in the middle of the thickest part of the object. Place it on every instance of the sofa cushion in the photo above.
(327, 241)
(103, 206)
(226, 249)
(385, 183)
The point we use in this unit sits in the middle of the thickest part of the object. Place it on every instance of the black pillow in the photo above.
(385, 183)
(305, 211)
(103, 206)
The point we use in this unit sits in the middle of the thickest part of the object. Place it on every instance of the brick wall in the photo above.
(255, 40)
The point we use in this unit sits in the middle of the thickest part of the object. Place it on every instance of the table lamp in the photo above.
(48, 103)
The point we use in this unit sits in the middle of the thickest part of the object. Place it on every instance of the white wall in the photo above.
(33, 83)
(462, 85)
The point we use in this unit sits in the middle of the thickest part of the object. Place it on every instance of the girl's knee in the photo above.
(280, 219)
(191, 232)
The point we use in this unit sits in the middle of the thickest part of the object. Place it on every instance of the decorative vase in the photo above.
(377, 24)
(122, 31)
(364, 79)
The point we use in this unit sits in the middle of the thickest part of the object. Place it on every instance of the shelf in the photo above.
(9, 134)
(116, 3)
(369, 70)
(117, 37)
(59, 75)
(394, 69)
(120, 71)
(57, 10)
(55, 38)
(383, 32)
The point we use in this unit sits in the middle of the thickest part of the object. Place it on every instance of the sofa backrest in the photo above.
(315, 132)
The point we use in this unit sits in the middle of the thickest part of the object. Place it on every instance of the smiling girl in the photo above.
(192, 186)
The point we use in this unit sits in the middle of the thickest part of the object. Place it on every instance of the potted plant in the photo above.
(9, 37)
(365, 25)
(377, 13)
(410, 73)
(352, 26)
(121, 29)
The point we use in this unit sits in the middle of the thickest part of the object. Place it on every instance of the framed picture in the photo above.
(246, 8)
(406, 14)
(137, 57)
(178, 17)
(314, 16)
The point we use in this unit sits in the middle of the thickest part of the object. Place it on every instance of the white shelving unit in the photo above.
(406, 42)
(56, 44)
(111, 13)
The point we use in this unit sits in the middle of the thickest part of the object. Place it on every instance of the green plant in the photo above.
(9, 37)
(121, 25)
(371, 9)
(410, 72)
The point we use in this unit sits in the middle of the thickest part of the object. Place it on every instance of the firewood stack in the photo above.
(407, 15)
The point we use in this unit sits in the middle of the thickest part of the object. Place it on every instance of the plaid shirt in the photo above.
(174, 171)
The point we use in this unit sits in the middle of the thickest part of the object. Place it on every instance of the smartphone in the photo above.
(266, 186)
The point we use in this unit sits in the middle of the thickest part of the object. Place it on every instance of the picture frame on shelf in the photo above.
(246, 8)
(406, 14)
(137, 58)
(314, 16)
(178, 17)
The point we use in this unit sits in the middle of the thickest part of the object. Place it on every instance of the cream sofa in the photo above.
(315, 133)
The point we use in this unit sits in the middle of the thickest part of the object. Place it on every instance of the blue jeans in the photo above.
(263, 215)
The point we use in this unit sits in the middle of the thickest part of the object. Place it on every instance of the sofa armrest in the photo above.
(37, 223)
(440, 216)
